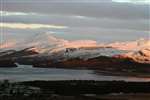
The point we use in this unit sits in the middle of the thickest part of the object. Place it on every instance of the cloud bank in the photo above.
(100, 20)
(29, 26)
(7, 13)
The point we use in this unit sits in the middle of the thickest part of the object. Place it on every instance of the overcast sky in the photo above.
(100, 20)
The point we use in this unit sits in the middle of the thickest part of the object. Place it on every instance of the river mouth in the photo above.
(28, 73)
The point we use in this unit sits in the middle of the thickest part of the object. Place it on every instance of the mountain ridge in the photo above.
(49, 47)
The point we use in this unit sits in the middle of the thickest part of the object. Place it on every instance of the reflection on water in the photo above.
(26, 73)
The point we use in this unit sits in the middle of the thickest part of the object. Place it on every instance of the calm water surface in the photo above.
(27, 73)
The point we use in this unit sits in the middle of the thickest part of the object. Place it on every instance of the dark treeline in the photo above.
(78, 87)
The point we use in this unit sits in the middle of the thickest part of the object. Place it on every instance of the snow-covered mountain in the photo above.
(86, 53)
(142, 56)
(42, 43)
(138, 50)
(46, 45)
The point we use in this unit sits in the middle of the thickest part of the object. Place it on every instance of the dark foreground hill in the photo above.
(75, 90)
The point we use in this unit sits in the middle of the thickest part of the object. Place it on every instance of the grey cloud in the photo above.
(98, 10)
(107, 21)
(72, 21)
(104, 35)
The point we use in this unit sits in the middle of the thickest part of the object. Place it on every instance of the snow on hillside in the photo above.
(46, 45)
(84, 53)
(142, 56)
(138, 50)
